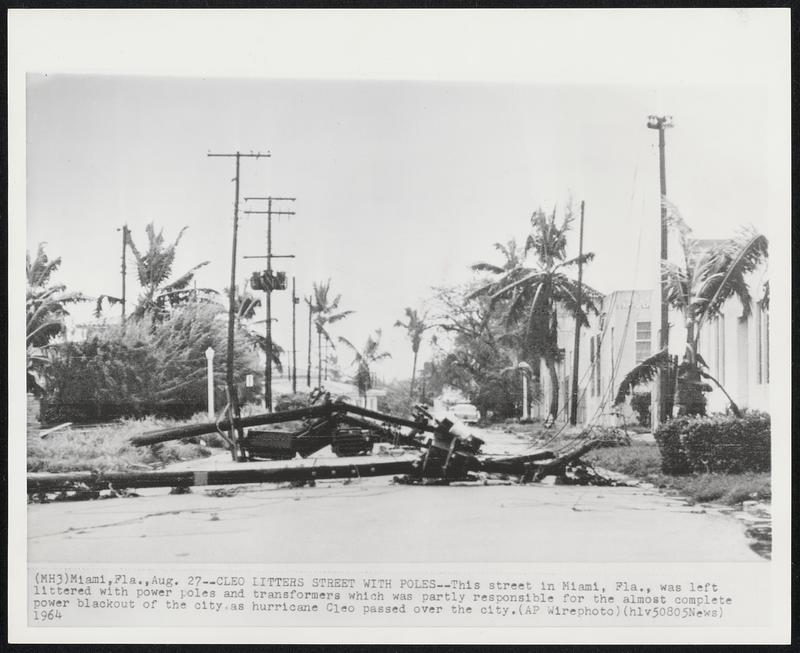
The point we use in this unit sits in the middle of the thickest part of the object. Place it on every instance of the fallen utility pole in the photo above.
(664, 400)
(44, 482)
(452, 454)
(573, 414)
(195, 430)
(233, 397)
(269, 286)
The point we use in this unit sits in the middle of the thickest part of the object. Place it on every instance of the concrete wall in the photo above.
(736, 349)
(607, 351)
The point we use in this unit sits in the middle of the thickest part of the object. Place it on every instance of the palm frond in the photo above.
(183, 281)
(674, 217)
(676, 285)
(331, 319)
(482, 290)
(583, 258)
(530, 276)
(98, 310)
(40, 270)
(353, 349)
(726, 267)
(487, 267)
(644, 372)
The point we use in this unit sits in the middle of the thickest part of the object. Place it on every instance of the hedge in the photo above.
(145, 367)
(717, 443)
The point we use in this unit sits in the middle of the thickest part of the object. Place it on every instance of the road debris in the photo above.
(424, 450)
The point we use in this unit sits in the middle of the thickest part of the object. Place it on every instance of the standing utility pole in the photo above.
(661, 123)
(270, 285)
(573, 415)
(295, 302)
(124, 267)
(310, 310)
(233, 397)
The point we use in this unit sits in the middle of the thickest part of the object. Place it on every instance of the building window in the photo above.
(591, 366)
(762, 346)
(643, 336)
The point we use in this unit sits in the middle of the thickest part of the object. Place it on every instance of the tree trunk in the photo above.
(689, 397)
(551, 368)
(413, 376)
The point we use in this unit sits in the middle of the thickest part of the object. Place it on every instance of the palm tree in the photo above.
(364, 359)
(707, 278)
(415, 327)
(45, 312)
(154, 269)
(325, 309)
(530, 296)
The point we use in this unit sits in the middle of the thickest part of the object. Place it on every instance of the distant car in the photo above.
(467, 413)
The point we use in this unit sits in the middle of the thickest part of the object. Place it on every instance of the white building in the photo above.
(735, 348)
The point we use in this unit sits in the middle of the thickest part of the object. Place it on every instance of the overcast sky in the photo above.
(400, 186)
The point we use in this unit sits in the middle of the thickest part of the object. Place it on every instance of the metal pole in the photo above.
(573, 415)
(295, 300)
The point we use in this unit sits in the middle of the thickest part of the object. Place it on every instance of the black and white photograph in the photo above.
(435, 351)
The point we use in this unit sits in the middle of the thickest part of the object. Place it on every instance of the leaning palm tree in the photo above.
(46, 310)
(364, 359)
(707, 278)
(531, 296)
(326, 311)
(154, 269)
(415, 327)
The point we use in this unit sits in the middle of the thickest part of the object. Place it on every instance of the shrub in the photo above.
(143, 368)
(718, 443)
